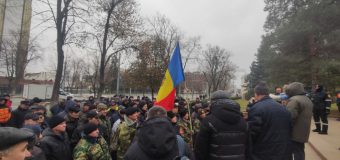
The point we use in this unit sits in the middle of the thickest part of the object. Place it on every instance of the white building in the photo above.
(40, 76)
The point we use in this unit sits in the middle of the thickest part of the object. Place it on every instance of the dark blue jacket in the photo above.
(319, 98)
(270, 130)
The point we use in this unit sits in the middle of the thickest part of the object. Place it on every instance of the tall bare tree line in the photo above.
(105, 29)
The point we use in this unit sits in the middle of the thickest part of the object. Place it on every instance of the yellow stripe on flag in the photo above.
(166, 87)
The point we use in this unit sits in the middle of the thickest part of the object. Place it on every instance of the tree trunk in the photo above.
(152, 93)
(22, 51)
(103, 54)
(314, 67)
(11, 85)
(60, 43)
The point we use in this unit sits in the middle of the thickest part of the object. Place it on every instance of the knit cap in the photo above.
(89, 128)
(55, 120)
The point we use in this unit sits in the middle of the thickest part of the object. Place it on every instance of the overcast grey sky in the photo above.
(236, 25)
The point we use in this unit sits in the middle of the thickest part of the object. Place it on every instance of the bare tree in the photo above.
(91, 74)
(165, 35)
(154, 50)
(148, 70)
(7, 61)
(10, 47)
(190, 49)
(195, 82)
(65, 15)
(113, 29)
(73, 72)
(218, 69)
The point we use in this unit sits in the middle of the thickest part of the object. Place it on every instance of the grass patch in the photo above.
(243, 103)
(334, 107)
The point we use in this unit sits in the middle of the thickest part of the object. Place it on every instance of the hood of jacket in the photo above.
(226, 110)
(157, 138)
(295, 88)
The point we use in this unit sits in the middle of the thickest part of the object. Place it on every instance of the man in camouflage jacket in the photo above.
(185, 127)
(123, 137)
(92, 146)
(105, 124)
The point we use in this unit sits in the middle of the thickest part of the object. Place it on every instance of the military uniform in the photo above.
(196, 128)
(91, 148)
(105, 128)
(184, 125)
(123, 138)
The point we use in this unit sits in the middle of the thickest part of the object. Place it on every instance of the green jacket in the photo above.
(185, 131)
(105, 128)
(301, 111)
(123, 137)
(91, 149)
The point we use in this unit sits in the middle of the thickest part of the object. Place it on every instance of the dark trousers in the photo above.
(320, 114)
(298, 151)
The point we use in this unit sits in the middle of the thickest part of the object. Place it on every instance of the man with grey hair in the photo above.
(156, 111)
(156, 139)
(301, 111)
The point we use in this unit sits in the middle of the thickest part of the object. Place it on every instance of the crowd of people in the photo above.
(133, 128)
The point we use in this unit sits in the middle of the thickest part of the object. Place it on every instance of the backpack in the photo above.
(5, 114)
(181, 149)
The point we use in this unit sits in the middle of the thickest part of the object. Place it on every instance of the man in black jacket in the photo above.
(222, 135)
(270, 127)
(17, 118)
(55, 143)
(319, 110)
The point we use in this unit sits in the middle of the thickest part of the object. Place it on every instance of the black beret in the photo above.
(55, 120)
(74, 108)
(89, 128)
(91, 114)
(10, 136)
(130, 111)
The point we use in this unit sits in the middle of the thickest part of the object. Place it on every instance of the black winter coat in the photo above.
(318, 99)
(18, 117)
(71, 125)
(156, 140)
(223, 133)
(270, 128)
(55, 147)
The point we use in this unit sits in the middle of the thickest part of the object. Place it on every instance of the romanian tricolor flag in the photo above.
(174, 75)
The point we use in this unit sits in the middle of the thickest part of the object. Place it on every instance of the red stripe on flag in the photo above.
(168, 102)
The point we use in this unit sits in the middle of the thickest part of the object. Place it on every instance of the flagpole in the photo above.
(190, 123)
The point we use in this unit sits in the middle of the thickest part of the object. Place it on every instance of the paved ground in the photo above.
(327, 145)
(310, 153)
